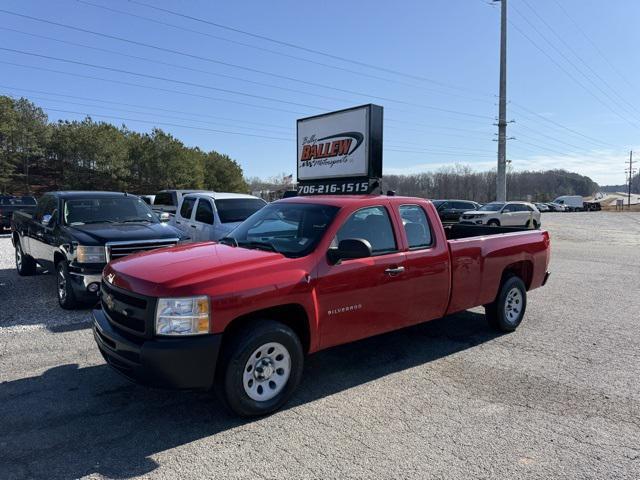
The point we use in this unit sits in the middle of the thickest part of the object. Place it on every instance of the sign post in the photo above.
(340, 152)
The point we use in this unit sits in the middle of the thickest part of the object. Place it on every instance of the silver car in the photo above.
(209, 216)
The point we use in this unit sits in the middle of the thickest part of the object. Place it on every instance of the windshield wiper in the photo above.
(229, 241)
(258, 245)
(135, 220)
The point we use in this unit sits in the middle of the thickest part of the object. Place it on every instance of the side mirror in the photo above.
(348, 249)
(164, 217)
(46, 219)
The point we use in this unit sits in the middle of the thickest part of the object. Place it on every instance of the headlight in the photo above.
(86, 254)
(182, 316)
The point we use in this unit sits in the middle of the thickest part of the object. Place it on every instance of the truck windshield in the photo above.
(292, 229)
(123, 209)
(238, 209)
(491, 207)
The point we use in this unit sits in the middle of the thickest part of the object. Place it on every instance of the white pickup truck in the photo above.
(206, 216)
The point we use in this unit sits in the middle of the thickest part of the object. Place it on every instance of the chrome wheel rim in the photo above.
(513, 305)
(19, 258)
(62, 285)
(266, 372)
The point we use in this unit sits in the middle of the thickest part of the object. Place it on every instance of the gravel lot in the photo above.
(560, 398)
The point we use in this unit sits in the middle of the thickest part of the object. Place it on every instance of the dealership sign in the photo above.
(340, 152)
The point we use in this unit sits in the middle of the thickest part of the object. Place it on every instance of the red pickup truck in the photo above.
(298, 276)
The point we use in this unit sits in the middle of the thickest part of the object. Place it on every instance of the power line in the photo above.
(439, 147)
(142, 106)
(275, 52)
(148, 87)
(594, 44)
(231, 65)
(569, 74)
(564, 127)
(572, 64)
(155, 115)
(298, 47)
(579, 57)
(164, 79)
(117, 117)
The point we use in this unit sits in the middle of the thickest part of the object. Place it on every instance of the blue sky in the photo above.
(573, 75)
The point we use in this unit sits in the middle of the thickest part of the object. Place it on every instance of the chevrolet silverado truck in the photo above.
(298, 276)
(75, 234)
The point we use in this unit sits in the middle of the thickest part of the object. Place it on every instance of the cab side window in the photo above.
(371, 224)
(46, 208)
(416, 226)
(187, 207)
(204, 212)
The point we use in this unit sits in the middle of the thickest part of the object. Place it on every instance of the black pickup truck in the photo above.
(10, 204)
(75, 234)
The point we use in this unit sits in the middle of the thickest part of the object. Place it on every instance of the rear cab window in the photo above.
(237, 209)
(164, 198)
(416, 227)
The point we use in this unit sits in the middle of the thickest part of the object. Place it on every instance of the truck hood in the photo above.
(101, 233)
(166, 271)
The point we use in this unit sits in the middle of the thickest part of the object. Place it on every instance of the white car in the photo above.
(206, 216)
(506, 214)
(572, 203)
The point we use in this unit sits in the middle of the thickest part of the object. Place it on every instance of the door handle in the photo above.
(392, 271)
(193, 226)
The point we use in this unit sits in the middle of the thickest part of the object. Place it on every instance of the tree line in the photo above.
(461, 182)
(37, 156)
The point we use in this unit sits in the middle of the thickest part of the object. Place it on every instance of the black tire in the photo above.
(507, 311)
(25, 264)
(66, 295)
(535, 224)
(493, 223)
(235, 359)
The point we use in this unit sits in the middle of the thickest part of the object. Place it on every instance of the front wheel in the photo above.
(507, 311)
(493, 223)
(25, 264)
(261, 367)
(66, 296)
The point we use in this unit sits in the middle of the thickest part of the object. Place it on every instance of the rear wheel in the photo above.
(535, 224)
(261, 367)
(66, 295)
(25, 264)
(507, 311)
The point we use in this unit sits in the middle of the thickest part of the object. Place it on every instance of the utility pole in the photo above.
(501, 178)
(631, 171)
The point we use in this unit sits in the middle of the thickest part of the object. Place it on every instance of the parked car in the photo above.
(573, 203)
(506, 214)
(75, 234)
(450, 210)
(10, 204)
(301, 275)
(210, 216)
(542, 207)
(148, 199)
(556, 207)
(167, 201)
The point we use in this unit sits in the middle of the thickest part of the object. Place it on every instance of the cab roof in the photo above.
(344, 200)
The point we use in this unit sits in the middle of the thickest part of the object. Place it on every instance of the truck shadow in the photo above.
(32, 301)
(70, 421)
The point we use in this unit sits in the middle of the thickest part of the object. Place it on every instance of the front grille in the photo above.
(127, 311)
(122, 249)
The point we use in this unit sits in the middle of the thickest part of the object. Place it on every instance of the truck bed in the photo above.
(480, 255)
